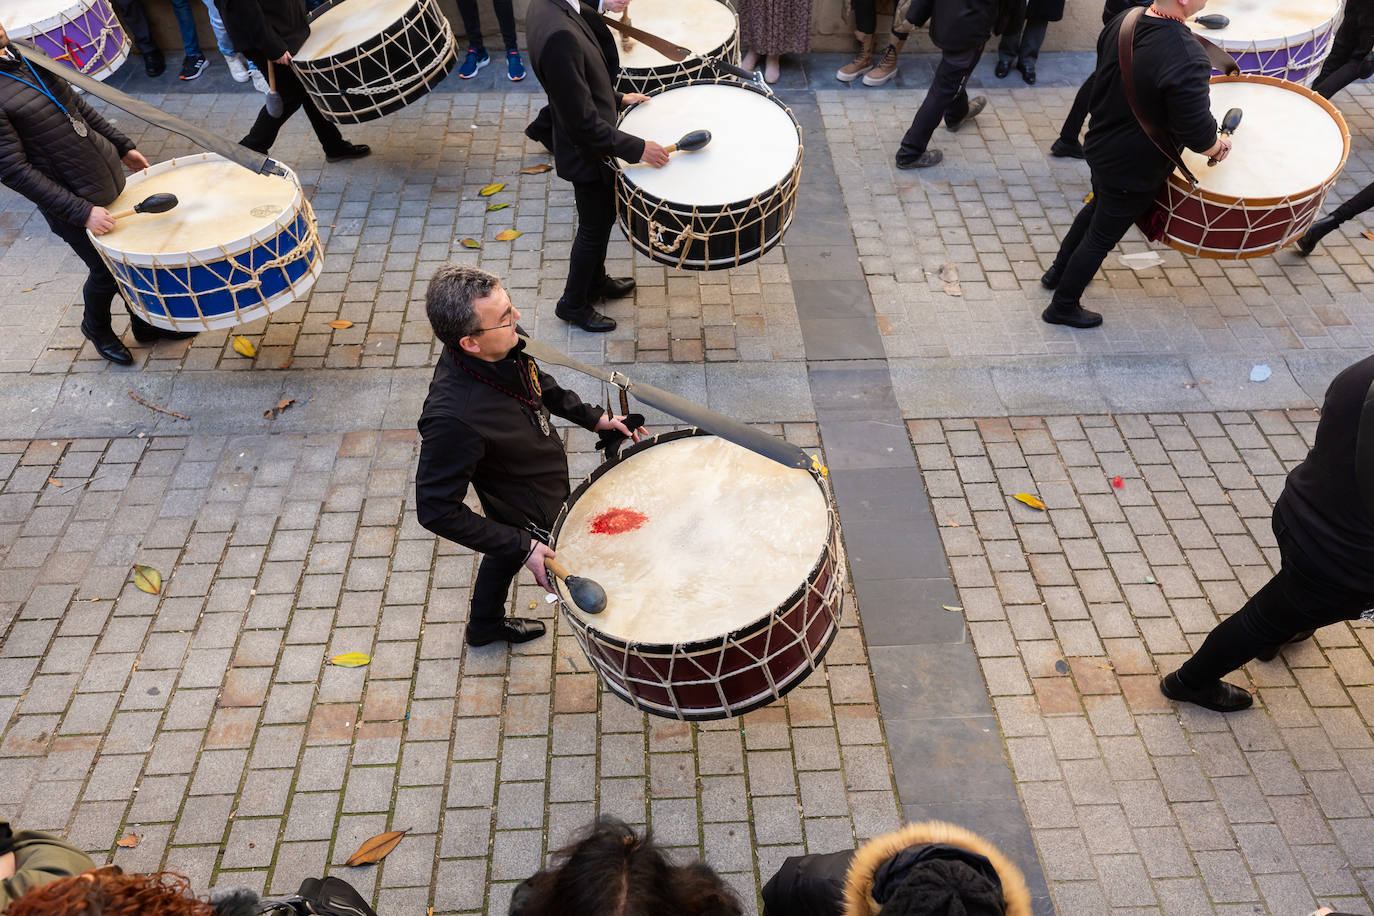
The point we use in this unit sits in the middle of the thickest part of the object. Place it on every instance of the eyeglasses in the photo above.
(510, 320)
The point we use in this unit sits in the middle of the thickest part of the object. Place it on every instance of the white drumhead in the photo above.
(1267, 20)
(698, 25)
(19, 16)
(1286, 143)
(754, 144)
(726, 537)
(219, 204)
(349, 24)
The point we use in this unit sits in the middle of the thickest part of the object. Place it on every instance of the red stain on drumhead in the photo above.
(618, 521)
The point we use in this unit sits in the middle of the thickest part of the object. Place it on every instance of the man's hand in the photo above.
(284, 59)
(135, 160)
(654, 155)
(1220, 150)
(535, 562)
(7, 866)
(615, 6)
(618, 424)
(633, 98)
(100, 221)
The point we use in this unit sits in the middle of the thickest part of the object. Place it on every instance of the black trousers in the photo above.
(491, 591)
(472, 22)
(1025, 44)
(1297, 599)
(1345, 63)
(1078, 111)
(293, 96)
(1096, 229)
(1356, 205)
(100, 288)
(595, 219)
(866, 16)
(946, 98)
(136, 24)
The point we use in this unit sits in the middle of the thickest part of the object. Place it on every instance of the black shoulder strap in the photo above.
(1364, 453)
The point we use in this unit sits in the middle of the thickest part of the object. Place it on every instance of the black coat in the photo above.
(575, 60)
(962, 25)
(44, 159)
(269, 28)
(472, 433)
(1047, 10)
(1113, 8)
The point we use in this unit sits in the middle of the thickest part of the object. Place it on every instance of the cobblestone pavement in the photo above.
(1138, 805)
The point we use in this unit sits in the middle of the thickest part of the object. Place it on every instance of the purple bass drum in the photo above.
(1280, 38)
(85, 35)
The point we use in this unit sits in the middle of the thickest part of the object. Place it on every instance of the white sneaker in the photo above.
(237, 68)
(259, 81)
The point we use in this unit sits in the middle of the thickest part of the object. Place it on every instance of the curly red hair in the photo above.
(109, 892)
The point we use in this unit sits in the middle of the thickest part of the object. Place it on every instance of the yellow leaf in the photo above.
(341, 324)
(1031, 500)
(148, 579)
(490, 190)
(1369, 235)
(127, 842)
(951, 607)
(54, 482)
(497, 207)
(244, 347)
(376, 848)
(508, 235)
(351, 660)
(1089, 198)
(539, 169)
(470, 243)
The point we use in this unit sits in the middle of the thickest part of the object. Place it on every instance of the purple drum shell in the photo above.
(1296, 63)
(95, 38)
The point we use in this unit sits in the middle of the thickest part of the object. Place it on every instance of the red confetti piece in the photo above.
(1118, 483)
(618, 521)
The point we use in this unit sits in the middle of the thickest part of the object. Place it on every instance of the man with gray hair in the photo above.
(486, 423)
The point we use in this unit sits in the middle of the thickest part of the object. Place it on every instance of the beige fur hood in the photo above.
(858, 900)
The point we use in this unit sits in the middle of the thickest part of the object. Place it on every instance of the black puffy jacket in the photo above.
(43, 157)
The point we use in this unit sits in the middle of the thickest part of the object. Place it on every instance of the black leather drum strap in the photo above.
(1364, 453)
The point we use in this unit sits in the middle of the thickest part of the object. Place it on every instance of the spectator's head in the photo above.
(612, 871)
(109, 892)
(470, 311)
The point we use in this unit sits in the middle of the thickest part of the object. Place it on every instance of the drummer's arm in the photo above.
(1188, 107)
(19, 175)
(567, 404)
(571, 97)
(449, 452)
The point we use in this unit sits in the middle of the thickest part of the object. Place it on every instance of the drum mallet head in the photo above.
(1212, 21)
(1229, 122)
(153, 203)
(589, 597)
(272, 102)
(690, 142)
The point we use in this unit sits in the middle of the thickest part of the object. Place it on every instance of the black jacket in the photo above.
(1113, 8)
(266, 27)
(1172, 76)
(44, 159)
(962, 25)
(471, 432)
(575, 60)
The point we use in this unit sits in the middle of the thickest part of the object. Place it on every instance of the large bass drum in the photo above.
(722, 573)
(724, 205)
(1285, 39)
(708, 27)
(84, 35)
(1287, 152)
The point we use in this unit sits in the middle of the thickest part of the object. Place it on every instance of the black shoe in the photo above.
(1219, 697)
(586, 318)
(348, 151)
(1269, 653)
(150, 333)
(1314, 234)
(617, 287)
(1075, 316)
(1066, 150)
(975, 107)
(924, 161)
(109, 346)
(510, 629)
(1002, 69)
(1028, 73)
(1050, 279)
(154, 64)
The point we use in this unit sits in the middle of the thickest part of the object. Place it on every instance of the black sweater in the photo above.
(1171, 83)
(1321, 505)
(473, 433)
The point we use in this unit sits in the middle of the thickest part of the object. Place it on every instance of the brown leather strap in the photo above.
(1125, 52)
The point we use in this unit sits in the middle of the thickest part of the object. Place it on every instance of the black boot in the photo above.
(1074, 316)
(1314, 234)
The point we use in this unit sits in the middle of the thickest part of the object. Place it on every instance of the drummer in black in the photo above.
(273, 30)
(486, 422)
(1172, 74)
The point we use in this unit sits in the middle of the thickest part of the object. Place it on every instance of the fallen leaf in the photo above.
(1031, 500)
(341, 324)
(1368, 235)
(54, 481)
(282, 406)
(244, 347)
(1106, 667)
(1118, 483)
(376, 848)
(1149, 580)
(127, 842)
(954, 524)
(148, 579)
(539, 169)
(497, 207)
(951, 607)
(470, 243)
(490, 190)
(351, 660)
(287, 364)
(1089, 198)
(508, 235)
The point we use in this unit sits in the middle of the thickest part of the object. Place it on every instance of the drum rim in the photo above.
(699, 56)
(87, 6)
(1178, 181)
(793, 169)
(713, 642)
(1280, 42)
(320, 11)
(193, 258)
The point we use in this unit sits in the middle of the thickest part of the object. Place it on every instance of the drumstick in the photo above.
(589, 597)
(1212, 21)
(690, 142)
(1229, 122)
(153, 203)
(273, 102)
(626, 42)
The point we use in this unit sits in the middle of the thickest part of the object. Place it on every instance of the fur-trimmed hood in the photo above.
(858, 898)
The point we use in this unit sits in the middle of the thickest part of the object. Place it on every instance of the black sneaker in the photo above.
(154, 64)
(193, 66)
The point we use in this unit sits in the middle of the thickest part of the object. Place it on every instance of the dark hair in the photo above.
(609, 870)
(449, 298)
(109, 892)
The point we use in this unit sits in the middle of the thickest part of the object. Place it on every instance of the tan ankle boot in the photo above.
(862, 63)
(887, 67)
